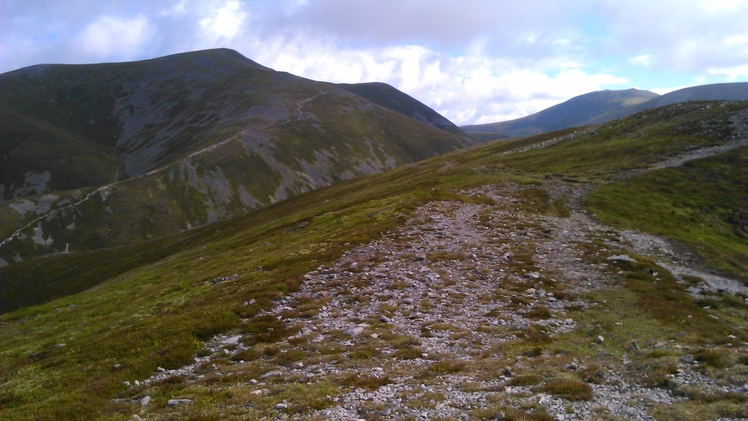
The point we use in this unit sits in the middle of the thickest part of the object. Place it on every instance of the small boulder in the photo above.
(688, 358)
(523, 326)
(622, 258)
(269, 374)
(177, 402)
(354, 331)
(232, 340)
(633, 346)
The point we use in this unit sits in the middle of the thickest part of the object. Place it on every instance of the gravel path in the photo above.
(450, 280)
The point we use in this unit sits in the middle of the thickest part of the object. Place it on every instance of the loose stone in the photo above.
(177, 402)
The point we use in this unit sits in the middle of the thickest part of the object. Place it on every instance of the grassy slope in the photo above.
(632, 143)
(703, 204)
(157, 312)
(389, 97)
(352, 143)
(290, 135)
(33, 145)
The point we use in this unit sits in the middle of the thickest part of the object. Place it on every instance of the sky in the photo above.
(473, 61)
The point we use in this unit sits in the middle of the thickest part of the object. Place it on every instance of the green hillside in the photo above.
(390, 98)
(479, 232)
(115, 154)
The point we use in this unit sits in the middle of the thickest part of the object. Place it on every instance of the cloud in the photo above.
(115, 37)
(469, 88)
(644, 60)
(680, 35)
(732, 74)
(224, 23)
(476, 61)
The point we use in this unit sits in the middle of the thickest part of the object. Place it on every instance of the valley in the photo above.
(382, 265)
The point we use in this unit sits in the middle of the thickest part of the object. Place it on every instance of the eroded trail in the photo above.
(475, 308)
(437, 304)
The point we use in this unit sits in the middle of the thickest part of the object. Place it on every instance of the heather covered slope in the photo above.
(113, 154)
(519, 279)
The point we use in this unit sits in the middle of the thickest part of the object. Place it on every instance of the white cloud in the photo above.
(644, 60)
(476, 61)
(724, 5)
(731, 74)
(224, 23)
(177, 9)
(110, 36)
(665, 90)
(687, 36)
(466, 89)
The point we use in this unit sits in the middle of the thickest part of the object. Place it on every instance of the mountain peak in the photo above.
(209, 134)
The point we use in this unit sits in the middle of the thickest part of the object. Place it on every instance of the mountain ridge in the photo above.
(599, 107)
(205, 135)
(389, 97)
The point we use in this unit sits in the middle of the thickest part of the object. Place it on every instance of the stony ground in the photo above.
(460, 314)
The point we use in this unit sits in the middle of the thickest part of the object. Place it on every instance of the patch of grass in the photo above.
(701, 410)
(568, 388)
(426, 400)
(525, 380)
(509, 413)
(712, 358)
(364, 382)
(539, 312)
(363, 352)
(665, 300)
(408, 353)
(442, 367)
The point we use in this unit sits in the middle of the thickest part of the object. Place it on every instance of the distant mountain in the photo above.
(585, 109)
(389, 97)
(602, 106)
(715, 92)
(108, 154)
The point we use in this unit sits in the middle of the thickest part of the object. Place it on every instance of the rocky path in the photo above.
(461, 280)
(437, 321)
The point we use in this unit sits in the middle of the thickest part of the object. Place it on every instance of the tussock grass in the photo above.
(568, 388)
